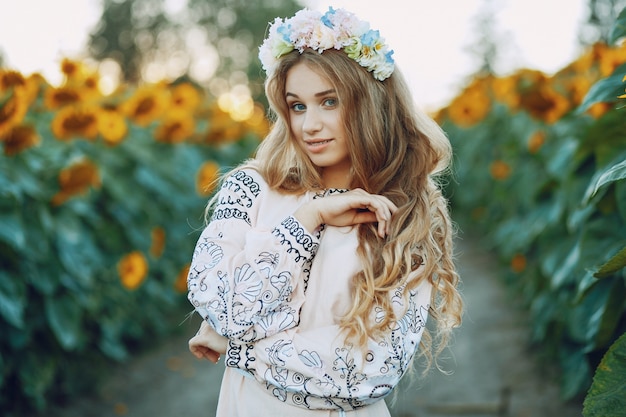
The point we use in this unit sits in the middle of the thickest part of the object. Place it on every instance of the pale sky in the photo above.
(429, 38)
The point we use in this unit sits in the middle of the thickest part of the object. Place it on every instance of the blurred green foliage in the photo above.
(607, 395)
(540, 174)
(101, 202)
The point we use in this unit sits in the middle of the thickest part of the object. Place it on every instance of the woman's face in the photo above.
(315, 117)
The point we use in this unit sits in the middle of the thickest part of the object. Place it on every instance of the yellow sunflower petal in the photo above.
(132, 269)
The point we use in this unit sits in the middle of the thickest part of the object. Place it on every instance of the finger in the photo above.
(364, 216)
(371, 217)
(383, 213)
(209, 354)
(196, 346)
(389, 209)
(389, 205)
(202, 352)
(382, 229)
(196, 352)
(213, 356)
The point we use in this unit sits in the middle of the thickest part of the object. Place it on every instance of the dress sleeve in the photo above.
(248, 281)
(317, 369)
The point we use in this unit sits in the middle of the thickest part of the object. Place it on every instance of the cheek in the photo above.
(337, 122)
(295, 124)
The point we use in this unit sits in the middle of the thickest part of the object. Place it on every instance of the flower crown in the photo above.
(338, 29)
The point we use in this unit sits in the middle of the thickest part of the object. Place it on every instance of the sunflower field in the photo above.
(540, 177)
(101, 202)
(102, 196)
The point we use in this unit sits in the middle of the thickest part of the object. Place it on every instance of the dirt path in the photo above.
(494, 373)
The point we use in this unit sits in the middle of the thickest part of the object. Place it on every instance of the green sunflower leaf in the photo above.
(606, 90)
(617, 262)
(619, 28)
(63, 314)
(607, 395)
(613, 173)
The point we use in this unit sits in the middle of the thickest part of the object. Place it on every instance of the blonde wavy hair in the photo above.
(396, 151)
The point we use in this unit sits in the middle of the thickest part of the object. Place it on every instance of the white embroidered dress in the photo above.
(278, 293)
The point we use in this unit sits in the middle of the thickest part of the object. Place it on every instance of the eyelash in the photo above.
(295, 106)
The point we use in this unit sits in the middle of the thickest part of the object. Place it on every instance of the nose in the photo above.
(312, 122)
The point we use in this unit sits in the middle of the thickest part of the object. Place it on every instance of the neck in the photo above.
(336, 179)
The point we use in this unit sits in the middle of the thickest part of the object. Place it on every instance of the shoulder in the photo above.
(244, 179)
(239, 195)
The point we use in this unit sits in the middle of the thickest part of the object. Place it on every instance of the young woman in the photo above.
(326, 252)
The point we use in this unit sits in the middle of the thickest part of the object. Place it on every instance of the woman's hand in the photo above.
(207, 343)
(348, 209)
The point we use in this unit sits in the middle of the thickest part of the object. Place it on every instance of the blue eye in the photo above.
(298, 107)
(330, 102)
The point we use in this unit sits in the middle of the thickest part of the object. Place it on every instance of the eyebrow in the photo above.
(320, 94)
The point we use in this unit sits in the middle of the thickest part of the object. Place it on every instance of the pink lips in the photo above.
(317, 145)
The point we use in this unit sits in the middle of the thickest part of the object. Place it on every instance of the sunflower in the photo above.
(185, 97)
(73, 121)
(76, 179)
(500, 170)
(132, 269)
(20, 138)
(527, 78)
(146, 105)
(13, 108)
(180, 284)
(111, 126)
(34, 83)
(611, 58)
(505, 91)
(536, 141)
(11, 79)
(91, 85)
(578, 87)
(158, 242)
(223, 128)
(70, 68)
(469, 108)
(175, 127)
(544, 103)
(56, 98)
(206, 178)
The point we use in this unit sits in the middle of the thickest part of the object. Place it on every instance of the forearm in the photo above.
(253, 290)
(319, 364)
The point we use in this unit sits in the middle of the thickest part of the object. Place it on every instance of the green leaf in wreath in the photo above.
(607, 395)
(617, 262)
